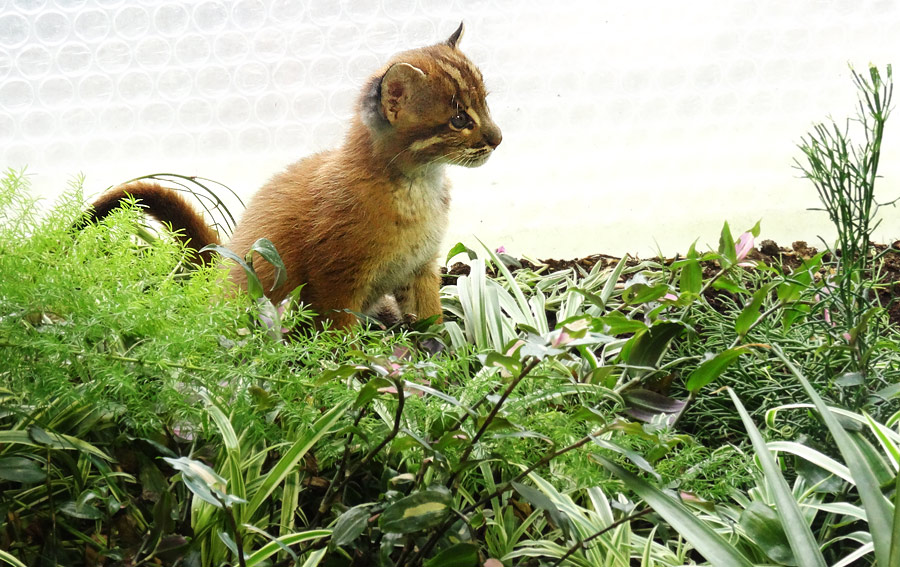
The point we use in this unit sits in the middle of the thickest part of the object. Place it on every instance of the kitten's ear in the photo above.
(398, 87)
(454, 38)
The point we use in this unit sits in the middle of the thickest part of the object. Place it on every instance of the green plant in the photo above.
(155, 419)
(593, 536)
(56, 487)
(844, 175)
(777, 525)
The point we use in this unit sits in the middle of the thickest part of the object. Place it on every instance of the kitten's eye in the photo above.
(460, 121)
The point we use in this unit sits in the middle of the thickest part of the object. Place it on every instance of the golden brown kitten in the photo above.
(366, 219)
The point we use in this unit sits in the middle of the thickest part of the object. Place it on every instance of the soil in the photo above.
(767, 252)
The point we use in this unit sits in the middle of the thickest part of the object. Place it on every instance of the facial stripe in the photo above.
(467, 67)
(454, 74)
(420, 145)
(474, 116)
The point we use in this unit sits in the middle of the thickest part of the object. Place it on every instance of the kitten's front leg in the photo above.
(422, 296)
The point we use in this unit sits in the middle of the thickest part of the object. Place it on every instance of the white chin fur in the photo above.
(477, 161)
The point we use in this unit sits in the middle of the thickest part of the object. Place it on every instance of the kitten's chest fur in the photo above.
(417, 220)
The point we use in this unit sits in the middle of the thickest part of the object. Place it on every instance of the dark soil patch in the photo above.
(768, 252)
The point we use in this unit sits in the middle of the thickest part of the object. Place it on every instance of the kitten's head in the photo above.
(428, 105)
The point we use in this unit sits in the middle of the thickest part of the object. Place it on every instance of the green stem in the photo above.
(493, 413)
(340, 478)
(500, 490)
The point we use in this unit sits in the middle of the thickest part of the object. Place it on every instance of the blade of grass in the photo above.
(315, 557)
(895, 537)
(881, 433)
(292, 456)
(879, 510)
(713, 547)
(272, 547)
(7, 558)
(821, 460)
(513, 287)
(800, 537)
(610, 286)
(232, 451)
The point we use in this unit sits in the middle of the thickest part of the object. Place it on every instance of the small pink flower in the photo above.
(847, 337)
(744, 245)
(501, 250)
(670, 297)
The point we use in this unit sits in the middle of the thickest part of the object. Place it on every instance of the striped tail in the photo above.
(166, 206)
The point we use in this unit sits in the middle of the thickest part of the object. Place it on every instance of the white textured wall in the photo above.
(627, 125)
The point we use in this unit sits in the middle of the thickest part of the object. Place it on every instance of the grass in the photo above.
(645, 412)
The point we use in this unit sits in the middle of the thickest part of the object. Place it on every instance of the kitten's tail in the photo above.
(163, 204)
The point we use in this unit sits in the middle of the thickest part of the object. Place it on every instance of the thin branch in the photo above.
(440, 530)
(493, 413)
(580, 544)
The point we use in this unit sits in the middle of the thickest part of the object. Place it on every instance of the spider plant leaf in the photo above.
(292, 456)
(799, 536)
(879, 510)
(713, 547)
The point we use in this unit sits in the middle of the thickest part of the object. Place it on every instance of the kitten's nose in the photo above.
(492, 135)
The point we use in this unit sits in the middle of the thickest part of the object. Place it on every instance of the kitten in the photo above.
(366, 219)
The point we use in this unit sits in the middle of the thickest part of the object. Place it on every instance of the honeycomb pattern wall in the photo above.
(627, 126)
(83, 80)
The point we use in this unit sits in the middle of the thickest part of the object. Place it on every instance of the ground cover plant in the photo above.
(726, 407)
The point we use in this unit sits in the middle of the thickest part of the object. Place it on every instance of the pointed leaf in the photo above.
(617, 323)
(273, 547)
(750, 313)
(610, 286)
(460, 248)
(879, 510)
(802, 542)
(540, 500)
(726, 247)
(652, 401)
(711, 369)
(351, 524)
(20, 469)
(254, 286)
(691, 277)
(713, 547)
(61, 441)
(291, 457)
(642, 293)
(636, 458)
(647, 348)
(763, 526)
(266, 249)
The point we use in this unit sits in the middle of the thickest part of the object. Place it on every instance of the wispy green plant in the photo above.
(844, 174)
